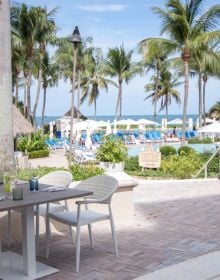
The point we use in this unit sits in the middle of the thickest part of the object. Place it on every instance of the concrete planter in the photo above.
(112, 166)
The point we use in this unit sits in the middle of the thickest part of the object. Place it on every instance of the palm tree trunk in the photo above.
(16, 91)
(95, 109)
(37, 96)
(167, 110)
(186, 58)
(200, 99)
(29, 87)
(6, 131)
(25, 98)
(118, 99)
(120, 109)
(78, 94)
(205, 78)
(43, 107)
(156, 91)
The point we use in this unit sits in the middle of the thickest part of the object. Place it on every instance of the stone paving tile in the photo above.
(174, 221)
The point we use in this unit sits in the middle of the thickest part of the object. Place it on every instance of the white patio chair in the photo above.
(55, 178)
(103, 188)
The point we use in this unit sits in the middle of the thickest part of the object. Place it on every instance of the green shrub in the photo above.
(213, 166)
(200, 141)
(184, 166)
(132, 164)
(35, 142)
(112, 151)
(26, 174)
(82, 172)
(38, 154)
(167, 151)
(185, 150)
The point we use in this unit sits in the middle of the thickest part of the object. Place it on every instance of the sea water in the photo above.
(159, 118)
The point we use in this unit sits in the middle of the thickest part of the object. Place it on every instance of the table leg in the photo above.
(29, 257)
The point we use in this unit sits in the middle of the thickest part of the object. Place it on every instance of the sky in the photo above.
(111, 24)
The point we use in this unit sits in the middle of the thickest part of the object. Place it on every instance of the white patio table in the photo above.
(14, 266)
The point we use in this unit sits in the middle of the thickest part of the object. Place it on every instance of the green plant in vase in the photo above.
(7, 182)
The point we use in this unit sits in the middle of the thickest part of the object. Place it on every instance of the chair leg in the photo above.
(72, 234)
(77, 248)
(37, 229)
(90, 235)
(47, 235)
(113, 231)
(9, 228)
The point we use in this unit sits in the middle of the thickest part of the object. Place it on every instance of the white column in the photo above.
(29, 250)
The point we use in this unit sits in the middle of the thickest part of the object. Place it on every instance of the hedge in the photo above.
(38, 154)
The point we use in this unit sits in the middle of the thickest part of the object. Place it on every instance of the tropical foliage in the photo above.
(112, 150)
(215, 111)
(189, 32)
(190, 45)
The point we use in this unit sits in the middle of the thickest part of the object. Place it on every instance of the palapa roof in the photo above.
(20, 124)
(68, 113)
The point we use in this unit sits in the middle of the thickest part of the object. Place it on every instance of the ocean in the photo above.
(49, 119)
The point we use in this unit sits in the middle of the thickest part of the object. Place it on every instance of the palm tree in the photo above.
(166, 89)
(153, 59)
(119, 64)
(93, 79)
(205, 60)
(45, 33)
(214, 112)
(185, 27)
(49, 79)
(17, 62)
(6, 132)
(25, 26)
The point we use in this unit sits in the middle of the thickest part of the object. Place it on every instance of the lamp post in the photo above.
(75, 39)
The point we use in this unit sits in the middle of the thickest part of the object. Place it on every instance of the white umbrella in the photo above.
(190, 123)
(86, 124)
(103, 123)
(51, 130)
(108, 129)
(175, 121)
(211, 128)
(115, 127)
(126, 122)
(208, 120)
(88, 142)
(146, 122)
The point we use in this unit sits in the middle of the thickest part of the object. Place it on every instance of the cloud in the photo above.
(102, 8)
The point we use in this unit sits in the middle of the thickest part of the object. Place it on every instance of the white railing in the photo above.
(205, 166)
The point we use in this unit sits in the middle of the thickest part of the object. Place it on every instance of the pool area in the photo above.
(200, 148)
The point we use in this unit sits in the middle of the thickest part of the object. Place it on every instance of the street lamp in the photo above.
(75, 39)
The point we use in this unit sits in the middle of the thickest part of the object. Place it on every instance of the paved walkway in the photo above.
(174, 221)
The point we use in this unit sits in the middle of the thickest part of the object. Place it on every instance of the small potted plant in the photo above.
(112, 154)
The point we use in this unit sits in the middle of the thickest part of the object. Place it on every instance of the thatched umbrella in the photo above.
(68, 114)
(20, 124)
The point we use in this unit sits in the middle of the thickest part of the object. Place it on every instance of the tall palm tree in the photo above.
(45, 33)
(6, 132)
(16, 64)
(214, 112)
(166, 89)
(185, 26)
(64, 60)
(93, 79)
(49, 79)
(205, 60)
(26, 26)
(119, 65)
(153, 59)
